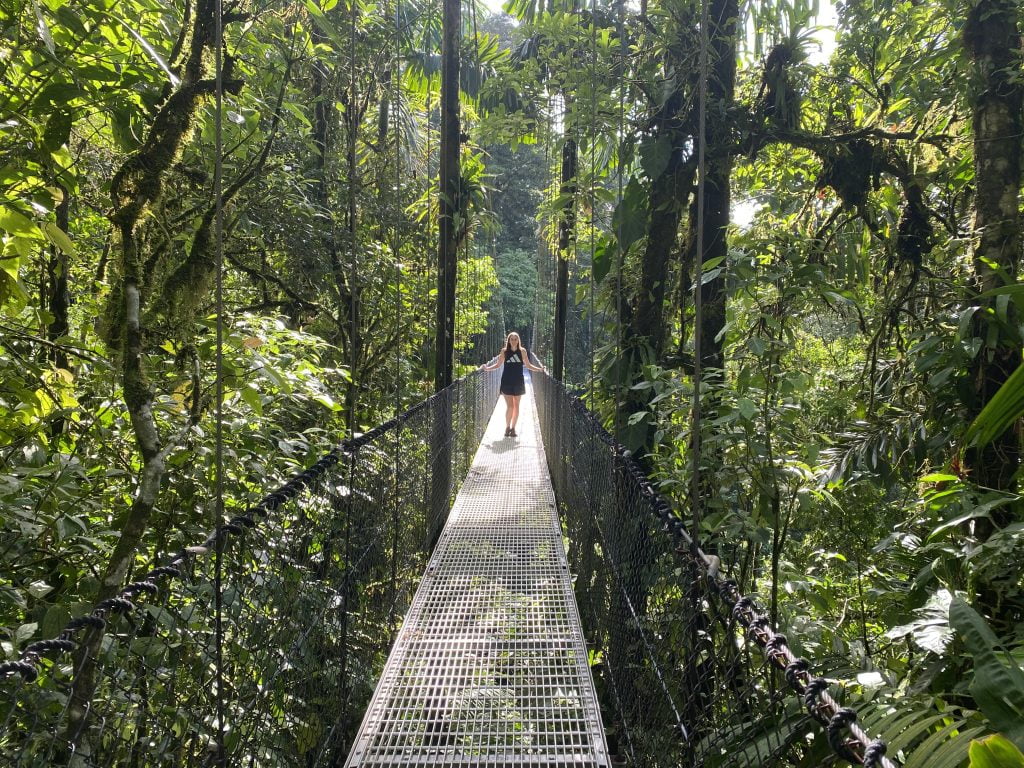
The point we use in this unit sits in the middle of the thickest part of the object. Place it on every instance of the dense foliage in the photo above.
(860, 335)
(860, 441)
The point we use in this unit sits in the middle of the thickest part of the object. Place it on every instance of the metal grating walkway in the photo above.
(490, 667)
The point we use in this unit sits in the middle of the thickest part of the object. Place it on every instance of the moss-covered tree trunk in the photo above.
(668, 196)
(136, 186)
(992, 42)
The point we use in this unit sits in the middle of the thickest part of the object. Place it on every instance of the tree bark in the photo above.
(719, 160)
(668, 196)
(351, 297)
(566, 235)
(325, 118)
(992, 41)
(135, 187)
(450, 196)
(59, 299)
(449, 206)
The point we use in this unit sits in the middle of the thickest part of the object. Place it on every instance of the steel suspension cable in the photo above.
(396, 253)
(698, 267)
(218, 507)
(593, 198)
(353, 311)
(620, 351)
(428, 48)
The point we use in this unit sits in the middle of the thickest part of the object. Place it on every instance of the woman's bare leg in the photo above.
(515, 409)
(510, 411)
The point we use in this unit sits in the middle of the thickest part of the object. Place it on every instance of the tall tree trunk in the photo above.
(719, 159)
(667, 199)
(450, 195)
(134, 188)
(566, 233)
(668, 195)
(449, 205)
(59, 298)
(351, 297)
(58, 301)
(992, 41)
(325, 118)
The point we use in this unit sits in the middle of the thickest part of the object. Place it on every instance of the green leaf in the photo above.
(121, 120)
(602, 261)
(655, 156)
(964, 330)
(636, 418)
(997, 688)
(39, 589)
(59, 237)
(251, 396)
(630, 219)
(999, 413)
(930, 629)
(1015, 292)
(16, 223)
(995, 752)
(25, 631)
(748, 409)
(56, 95)
(43, 29)
(175, 81)
(57, 131)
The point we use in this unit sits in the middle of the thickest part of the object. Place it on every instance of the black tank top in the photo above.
(513, 370)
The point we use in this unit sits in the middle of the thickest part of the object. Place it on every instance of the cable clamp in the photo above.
(812, 698)
(874, 753)
(796, 674)
(28, 672)
(839, 743)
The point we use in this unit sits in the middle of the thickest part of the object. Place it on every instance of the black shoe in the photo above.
(508, 431)
(512, 432)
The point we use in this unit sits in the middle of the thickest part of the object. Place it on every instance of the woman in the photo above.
(514, 357)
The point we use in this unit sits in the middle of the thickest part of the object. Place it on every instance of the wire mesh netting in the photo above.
(316, 579)
(490, 667)
(689, 673)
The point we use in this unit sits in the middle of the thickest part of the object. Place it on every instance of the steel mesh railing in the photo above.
(490, 667)
(316, 578)
(690, 673)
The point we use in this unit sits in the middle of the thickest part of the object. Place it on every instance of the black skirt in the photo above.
(513, 387)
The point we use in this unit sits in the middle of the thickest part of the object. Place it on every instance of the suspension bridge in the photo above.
(365, 620)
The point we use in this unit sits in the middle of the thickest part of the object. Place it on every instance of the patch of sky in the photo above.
(822, 37)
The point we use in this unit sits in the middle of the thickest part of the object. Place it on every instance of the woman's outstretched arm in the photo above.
(498, 362)
(531, 366)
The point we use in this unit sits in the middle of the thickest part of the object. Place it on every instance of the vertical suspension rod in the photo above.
(695, 421)
(218, 483)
